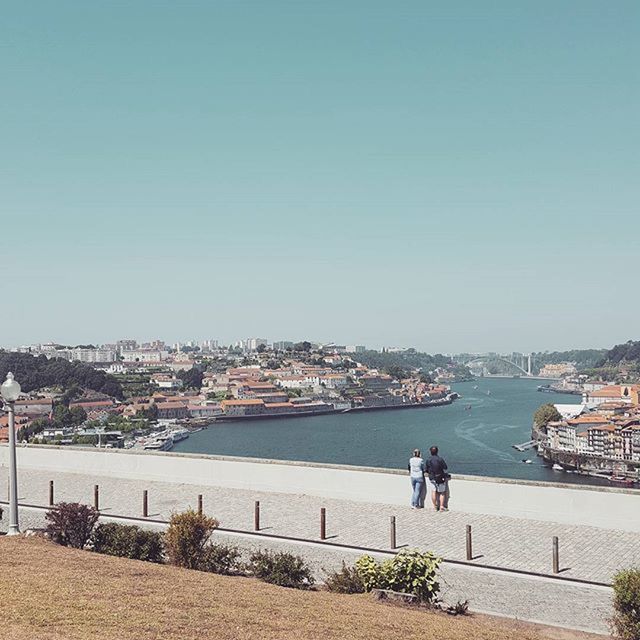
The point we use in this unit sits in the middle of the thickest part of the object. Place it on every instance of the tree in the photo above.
(261, 348)
(545, 414)
(191, 379)
(77, 415)
(396, 372)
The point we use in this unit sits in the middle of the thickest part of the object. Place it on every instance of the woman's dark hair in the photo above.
(434, 451)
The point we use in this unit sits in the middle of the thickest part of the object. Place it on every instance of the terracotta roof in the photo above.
(92, 404)
(228, 403)
(612, 391)
(592, 419)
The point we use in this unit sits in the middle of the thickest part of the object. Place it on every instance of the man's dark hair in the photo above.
(434, 451)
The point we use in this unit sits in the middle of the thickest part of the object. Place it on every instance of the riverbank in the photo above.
(475, 434)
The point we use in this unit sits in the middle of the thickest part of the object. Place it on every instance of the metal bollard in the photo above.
(469, 543)
(96, 497)
(556, 555)
(145, 504)
(51, 493)
(323, 524)
(256, 516)
(199, 504)
(392, 532)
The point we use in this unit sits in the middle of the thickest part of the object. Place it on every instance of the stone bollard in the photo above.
(51, 501)
(323, 524)
(469, 543)
(256, 516)
(392, 532)
(145, 504)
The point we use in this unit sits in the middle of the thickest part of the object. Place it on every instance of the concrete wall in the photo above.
(590, 506)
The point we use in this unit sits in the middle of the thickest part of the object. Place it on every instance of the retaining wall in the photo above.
(549, 502)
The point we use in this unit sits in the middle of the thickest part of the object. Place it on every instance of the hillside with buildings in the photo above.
(130, 394)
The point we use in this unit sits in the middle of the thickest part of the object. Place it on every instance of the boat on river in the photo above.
(621, 480)
(162, 442)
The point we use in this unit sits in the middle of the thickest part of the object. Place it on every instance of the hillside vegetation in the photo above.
(55, 593)
(38, 372)
(584, 358)
(629, 352)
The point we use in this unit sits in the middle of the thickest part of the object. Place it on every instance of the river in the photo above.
(474, 441)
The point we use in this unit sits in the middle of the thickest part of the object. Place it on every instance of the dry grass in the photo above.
(49, 592)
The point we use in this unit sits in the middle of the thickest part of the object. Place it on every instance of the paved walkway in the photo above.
(586, 553)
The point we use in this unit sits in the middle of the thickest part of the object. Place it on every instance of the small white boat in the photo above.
(557, 467)
(179, 434)
(161, 443)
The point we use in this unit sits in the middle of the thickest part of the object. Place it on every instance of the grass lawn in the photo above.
(48, 591)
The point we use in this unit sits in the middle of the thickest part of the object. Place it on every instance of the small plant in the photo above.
(128, 541)
(347, 580)
(71, 524)
(222, 559)
(460, 608)
(626, 605)
(408, 572)
(283, 569)
(186, 538)
(370, 573)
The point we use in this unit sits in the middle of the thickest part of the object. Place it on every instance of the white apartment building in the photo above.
(164, 381)
(144, 355)
(252, 344)
(93, 355)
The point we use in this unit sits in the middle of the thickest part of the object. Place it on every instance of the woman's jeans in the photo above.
(418, 485)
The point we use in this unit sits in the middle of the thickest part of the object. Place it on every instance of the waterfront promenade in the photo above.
(291, 521)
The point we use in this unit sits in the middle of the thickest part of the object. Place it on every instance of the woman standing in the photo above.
(416, 472)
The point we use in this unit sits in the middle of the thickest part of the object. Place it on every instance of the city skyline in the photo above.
(452, 178)
(271, 343)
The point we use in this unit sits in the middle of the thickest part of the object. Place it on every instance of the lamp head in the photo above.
(10, 389)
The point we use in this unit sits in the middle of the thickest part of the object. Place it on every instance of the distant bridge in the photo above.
(519, 361)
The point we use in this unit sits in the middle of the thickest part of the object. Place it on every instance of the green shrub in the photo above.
(222, 559)
(347, 580)
(128, 541)
(408, 572)
(71, 523)
(626, 605)
(186, 538)
(284, 569)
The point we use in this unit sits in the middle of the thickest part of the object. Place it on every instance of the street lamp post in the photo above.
(10, 391)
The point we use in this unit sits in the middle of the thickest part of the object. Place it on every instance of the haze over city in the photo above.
(449, 178)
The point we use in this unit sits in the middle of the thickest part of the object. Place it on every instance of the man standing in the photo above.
(416, 472)
(437, 469)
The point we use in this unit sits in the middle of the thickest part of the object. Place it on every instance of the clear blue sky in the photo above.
(452, 176)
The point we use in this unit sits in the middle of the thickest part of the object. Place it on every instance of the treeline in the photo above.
(396, 363)
(38, 372)
(629, 352)
(584, 358)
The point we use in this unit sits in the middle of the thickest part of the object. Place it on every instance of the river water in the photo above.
(475, 441)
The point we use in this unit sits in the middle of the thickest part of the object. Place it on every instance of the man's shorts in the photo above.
(439, 488)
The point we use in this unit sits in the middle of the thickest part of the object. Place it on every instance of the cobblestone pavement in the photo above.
(586, 553)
